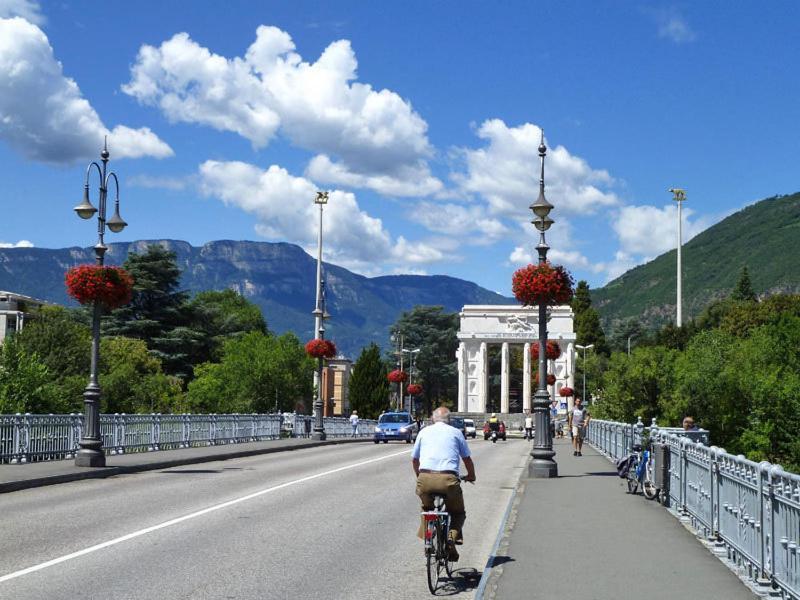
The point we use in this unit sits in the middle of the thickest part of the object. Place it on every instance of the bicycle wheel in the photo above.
(633, 482)
(649, 488)
(433, 561)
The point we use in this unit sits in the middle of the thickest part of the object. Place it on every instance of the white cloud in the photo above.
(27, 9)
(506, 173)
(674, 27)
(374, 136)
(43, 114)
(159, 182)
(285, 209)
(19, 244)
(467, 222)
(648, 231)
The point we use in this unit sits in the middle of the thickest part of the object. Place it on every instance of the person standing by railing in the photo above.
(354, 423)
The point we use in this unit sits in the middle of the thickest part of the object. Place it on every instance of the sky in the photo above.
(422, 120)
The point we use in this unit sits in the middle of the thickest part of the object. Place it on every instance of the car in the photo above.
(399, 426)
(459, 423)
(470, 428)
(501, 431)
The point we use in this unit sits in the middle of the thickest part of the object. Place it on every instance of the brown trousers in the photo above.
(449, 485)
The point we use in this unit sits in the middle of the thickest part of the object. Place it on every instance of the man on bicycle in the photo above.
(436, 460)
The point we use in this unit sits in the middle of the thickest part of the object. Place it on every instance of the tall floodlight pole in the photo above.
(91, 452)
(584, 348)
(543, 464)
(319, 428)
(679, 196)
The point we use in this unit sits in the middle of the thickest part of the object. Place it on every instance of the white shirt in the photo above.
(440, 447)
(529, 422)
(353, 419)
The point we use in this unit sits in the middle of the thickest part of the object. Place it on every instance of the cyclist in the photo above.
(436, 459)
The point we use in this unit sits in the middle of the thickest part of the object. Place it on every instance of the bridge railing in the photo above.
(750, 512)
(30, 438)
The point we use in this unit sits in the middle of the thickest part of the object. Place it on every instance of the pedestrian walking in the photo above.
(578, 420)
(528, 425)
(354, 423)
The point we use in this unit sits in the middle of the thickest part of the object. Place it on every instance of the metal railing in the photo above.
(30, 438)
(749, 512)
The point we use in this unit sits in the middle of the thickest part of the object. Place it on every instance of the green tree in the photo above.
(159, 313)
(256, 370)
(744, 289)
(587, 320)
(221, 315)
(368, 388)
(59, 340)
(25, 383)
(434, 332)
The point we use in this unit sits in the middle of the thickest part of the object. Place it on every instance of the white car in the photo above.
(469, 428)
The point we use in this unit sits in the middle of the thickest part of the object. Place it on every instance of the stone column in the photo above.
(504, 367)
(571, 375)
(483, 377)
(461, 356)
(526, 377)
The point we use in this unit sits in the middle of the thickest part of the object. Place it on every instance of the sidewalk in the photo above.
(582, 536)
(28, 475)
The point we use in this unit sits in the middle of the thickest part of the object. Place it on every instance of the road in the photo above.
(330, 522)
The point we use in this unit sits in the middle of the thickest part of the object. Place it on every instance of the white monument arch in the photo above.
(506, 325)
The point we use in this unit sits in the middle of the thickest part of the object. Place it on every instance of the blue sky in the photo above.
(421, 118)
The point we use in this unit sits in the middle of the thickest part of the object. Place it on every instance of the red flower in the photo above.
(112, 287)
(397, 376)
(321, 349)
(566, 391)
(542, 284)
(551, 379)
(553, 350)
(414, 389)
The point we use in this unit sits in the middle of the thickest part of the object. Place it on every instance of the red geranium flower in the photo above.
(553, 350)
(551, 379)
(414, 389)
(397, 376)
(566, 391)
(542, 284)
(112, 287)
(321, 349)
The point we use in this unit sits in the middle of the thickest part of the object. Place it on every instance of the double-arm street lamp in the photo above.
(584, 348)
(412, 354)
(399, 350)
(319, 330)
(90, 453)
(543, 464)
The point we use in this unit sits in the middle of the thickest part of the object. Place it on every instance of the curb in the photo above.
(104, 472)
(492, 573)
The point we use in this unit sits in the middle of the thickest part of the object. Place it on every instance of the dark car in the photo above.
(501, 431)
(396, 426)
(459, 424)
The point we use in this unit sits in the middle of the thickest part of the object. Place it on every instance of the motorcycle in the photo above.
(494, 436)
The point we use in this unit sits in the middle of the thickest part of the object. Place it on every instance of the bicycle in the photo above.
(641, 472)
(437, 554)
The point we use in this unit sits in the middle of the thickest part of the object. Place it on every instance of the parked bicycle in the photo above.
(637, 469)
(437, 554)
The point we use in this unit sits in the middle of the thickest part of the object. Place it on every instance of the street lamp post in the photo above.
(319, 330)
(91, 453)
(585, 348)
(633, 335)
(679, 196)
(412, 354)
(398, 339)
(543, 464)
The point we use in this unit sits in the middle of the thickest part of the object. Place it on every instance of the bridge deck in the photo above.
(582, 536)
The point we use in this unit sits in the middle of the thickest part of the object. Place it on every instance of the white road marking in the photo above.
(193, 515)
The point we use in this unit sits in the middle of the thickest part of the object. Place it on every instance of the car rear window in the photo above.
(394, 419)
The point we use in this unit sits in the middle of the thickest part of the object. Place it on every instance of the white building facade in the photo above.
(14, 308)
(482, 326)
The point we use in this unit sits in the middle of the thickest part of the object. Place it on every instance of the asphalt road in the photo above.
(331, 522)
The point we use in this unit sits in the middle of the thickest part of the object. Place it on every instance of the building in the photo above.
(14, 310)
(335, 387)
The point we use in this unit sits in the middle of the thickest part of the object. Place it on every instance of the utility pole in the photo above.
(679, 196)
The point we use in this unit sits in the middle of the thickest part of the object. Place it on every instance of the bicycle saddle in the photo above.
(636, 448)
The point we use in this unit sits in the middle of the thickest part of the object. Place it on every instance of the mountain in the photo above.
(764, 237)
(277, 277)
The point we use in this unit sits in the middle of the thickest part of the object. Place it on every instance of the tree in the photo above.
(744, 290)
(368, 388)
(256, 371)
(588, 329)
(25, 383)
(159, 313)
(434, 332)
(221, 315)
(61, 343)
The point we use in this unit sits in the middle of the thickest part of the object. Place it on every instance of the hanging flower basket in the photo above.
(542, 284)
(112, 287)
(321, 349)
(551, 379)
(553, 350)
(414, 389)
(397, 376)
(566, 391)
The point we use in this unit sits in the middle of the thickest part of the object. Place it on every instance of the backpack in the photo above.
(624, 465)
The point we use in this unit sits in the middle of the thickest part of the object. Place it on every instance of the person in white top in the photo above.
(436, 459)
(578, 420)
(354, 423)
